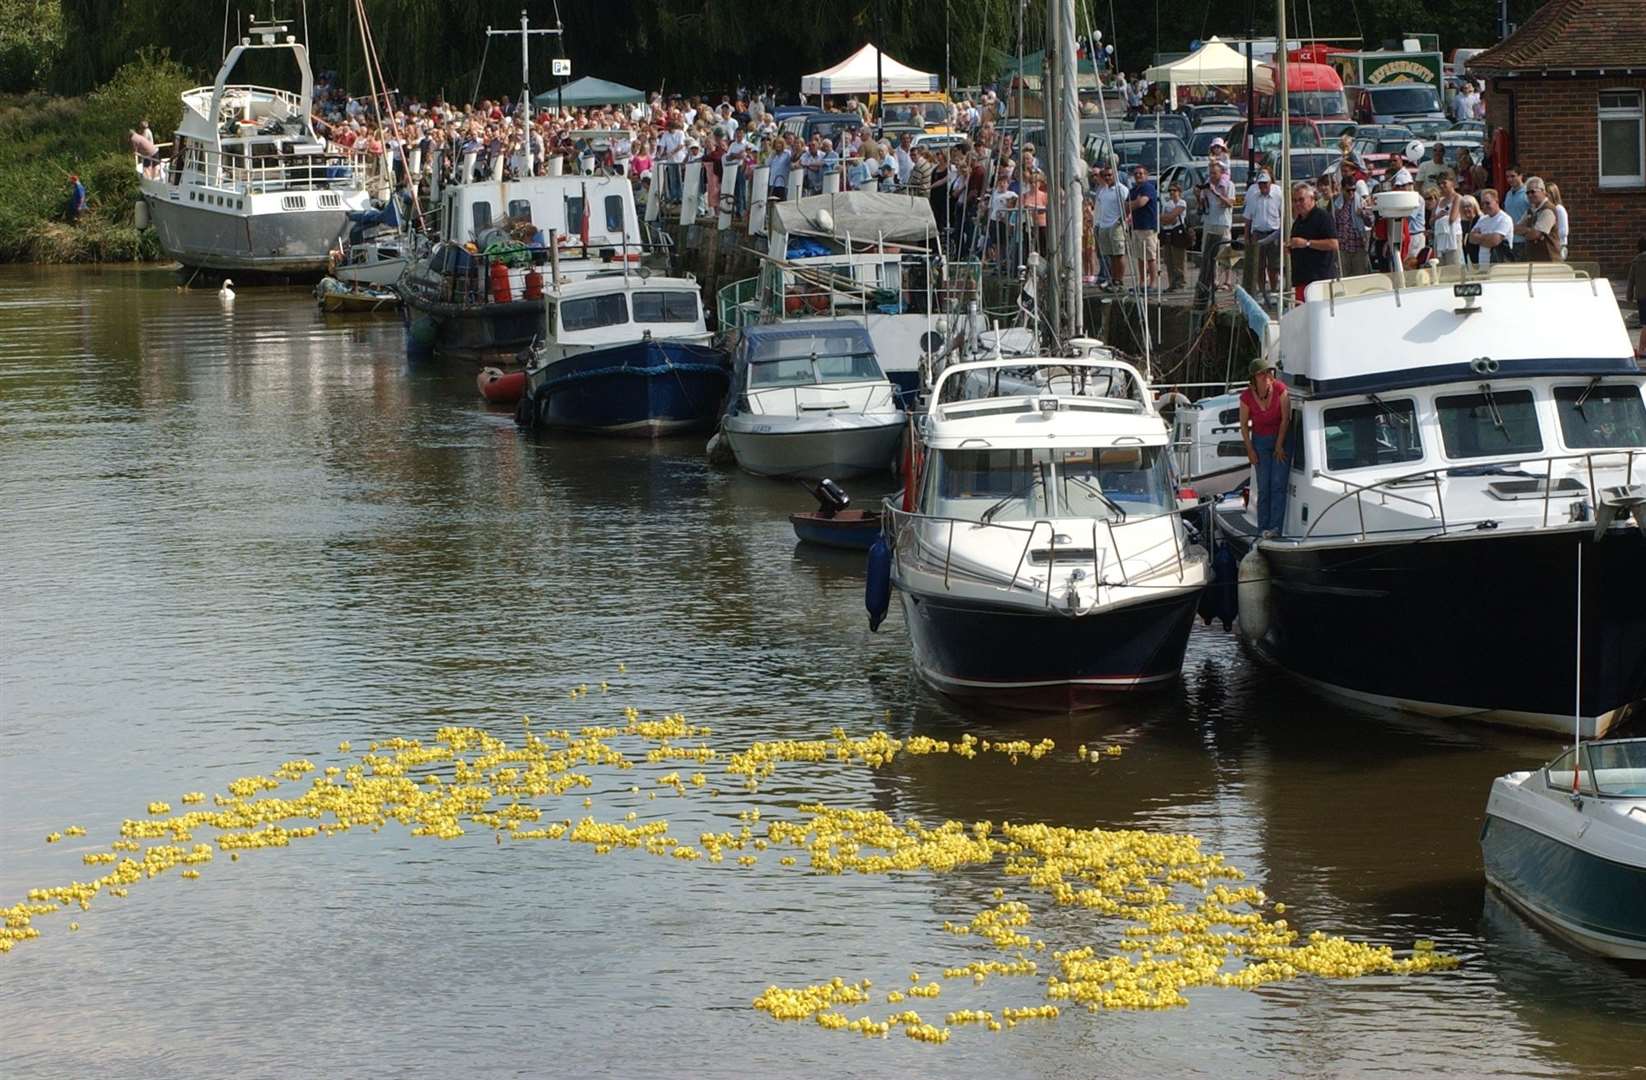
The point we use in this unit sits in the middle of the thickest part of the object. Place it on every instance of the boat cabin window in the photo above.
(1099, 481)
(593, 312)
(1618, 769)
(1489, 423)
(789, 360)
(1294, 441)
(614, 213)
(655, 306)
(482, 212)
(1375, 433)
(574, 216)
(1596, 416)
(988, 485)
(1558, 773)
(520, 210)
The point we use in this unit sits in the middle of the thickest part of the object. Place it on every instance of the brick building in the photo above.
(1569, 87)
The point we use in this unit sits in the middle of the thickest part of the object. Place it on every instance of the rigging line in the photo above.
(478, 75)
(225, 28)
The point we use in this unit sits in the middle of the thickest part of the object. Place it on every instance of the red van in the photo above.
(1314, 92)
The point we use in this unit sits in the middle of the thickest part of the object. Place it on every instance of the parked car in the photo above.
(1426, 128)
(1205, 114)
(1390, 103)
(1200, 143)
(1332, 130)
(830, 125)
(1311, 164)
(1155, 149)
(935, 142)
(1172, 123)
(1266, 134)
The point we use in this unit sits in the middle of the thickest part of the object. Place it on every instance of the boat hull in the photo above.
(851, 529)
(479, 331)
(1478, 624)
(813, 449)
(644, 388)
(297, 243)
(1594, 902)
(1039, 659)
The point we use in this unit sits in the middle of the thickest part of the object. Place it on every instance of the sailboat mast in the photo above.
(1283, 90)
(1070, 177)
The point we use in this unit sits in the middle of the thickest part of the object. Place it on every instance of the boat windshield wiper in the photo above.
(1587, 390)
(1091, 488)
(1491, 407)
(1386, 413)
(1038, 478)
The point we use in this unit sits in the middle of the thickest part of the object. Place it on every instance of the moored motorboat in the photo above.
(834, 523)
(1566, 844)
(247, 185)
(625, 354)
(1459, 440)
(1041, 560)
(338, 297)
(810, 401)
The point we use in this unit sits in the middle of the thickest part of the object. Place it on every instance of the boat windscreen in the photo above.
(1594, 417)
(801, 346)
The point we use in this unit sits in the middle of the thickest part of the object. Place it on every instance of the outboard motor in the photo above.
(831, 497)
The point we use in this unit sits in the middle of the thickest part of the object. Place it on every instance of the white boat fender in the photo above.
(1253, 590)
(719, 450)
(140, 214)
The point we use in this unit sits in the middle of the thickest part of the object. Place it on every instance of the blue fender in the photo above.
(1220, 600)
(877, 589)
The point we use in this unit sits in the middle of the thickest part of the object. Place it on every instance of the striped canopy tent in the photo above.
(589, 91)
(856, 75)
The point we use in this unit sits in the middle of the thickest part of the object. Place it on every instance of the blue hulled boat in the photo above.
(625, 354)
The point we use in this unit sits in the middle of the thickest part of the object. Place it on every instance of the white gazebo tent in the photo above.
(1213, 64)
(856, 75)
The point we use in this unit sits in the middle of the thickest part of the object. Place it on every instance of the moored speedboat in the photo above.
(1459, 440)
(810, 401)
(1042, 562)
(625, 354)
(247, 185)
(337, 297)
(1566, 844)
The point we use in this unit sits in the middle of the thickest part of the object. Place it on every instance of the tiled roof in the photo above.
(1572, 35)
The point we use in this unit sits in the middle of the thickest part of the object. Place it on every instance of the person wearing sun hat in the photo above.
(1265, 415)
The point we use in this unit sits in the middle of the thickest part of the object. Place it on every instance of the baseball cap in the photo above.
(1219, 144)
(1402, 177)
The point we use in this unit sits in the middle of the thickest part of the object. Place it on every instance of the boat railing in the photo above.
(471, 282)
(884, 396)
(1543, 489)
(258, 174)
(907, 529)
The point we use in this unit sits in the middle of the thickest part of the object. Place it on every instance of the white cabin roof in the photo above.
(1028, 412)
(615, 281)
(1359, 335)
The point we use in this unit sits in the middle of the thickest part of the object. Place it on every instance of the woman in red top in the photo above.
(1265, 414)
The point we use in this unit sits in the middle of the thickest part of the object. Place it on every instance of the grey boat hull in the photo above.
(837, 451)
(295, 242)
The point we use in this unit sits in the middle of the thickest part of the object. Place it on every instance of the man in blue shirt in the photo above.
(1515, 204)
(77, 200)
(1145, 208)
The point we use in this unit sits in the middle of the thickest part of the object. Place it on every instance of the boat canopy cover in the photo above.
(856, 75)
(866, 216)
(589, 91)
(827, 337)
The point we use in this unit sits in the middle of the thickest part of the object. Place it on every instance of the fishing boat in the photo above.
(1566, 845)
(1037, 551)
(1460, 439)
(336, 297)
(503, 244)
(834, 524)
(811, 401)
(247, 186)
(625, 354)
(869, 256)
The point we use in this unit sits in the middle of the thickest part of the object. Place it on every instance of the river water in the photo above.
(234, 537)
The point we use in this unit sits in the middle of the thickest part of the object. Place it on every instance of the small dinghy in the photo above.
(832, 525)
(335, 297)
(500, 387)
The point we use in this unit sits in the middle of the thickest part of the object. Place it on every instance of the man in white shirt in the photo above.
(1464, 102)
(1493, 231)
(1216, 198)
(1430, 170)
(905, 161)
(1262, 215)
(1109, 218)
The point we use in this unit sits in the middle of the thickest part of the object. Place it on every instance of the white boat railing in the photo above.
(905, 528)
(883, 396)
(257, 174)
(1440, 522)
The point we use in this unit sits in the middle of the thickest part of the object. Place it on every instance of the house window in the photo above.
(1622, 139)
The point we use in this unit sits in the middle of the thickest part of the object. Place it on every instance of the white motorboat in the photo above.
(810, 401)
(1211, 456)
(1459, 441)
(247, 185)
(1566, 844)
(1038, 553)
(625, 354)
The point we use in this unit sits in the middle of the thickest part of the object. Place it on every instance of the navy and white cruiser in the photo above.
(625, 354)
(1041, 560)
(1566, 844)
(1456, 437)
